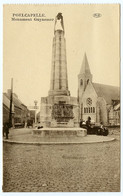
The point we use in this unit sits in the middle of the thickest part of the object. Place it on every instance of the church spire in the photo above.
(85, 69)
(84, 76)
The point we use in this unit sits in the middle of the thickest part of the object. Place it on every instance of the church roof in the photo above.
(108, 92)
(85, 66)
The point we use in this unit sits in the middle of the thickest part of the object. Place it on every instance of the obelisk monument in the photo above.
(59, 109)
(59, 79)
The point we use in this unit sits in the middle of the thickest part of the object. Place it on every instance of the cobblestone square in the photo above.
(62, 168)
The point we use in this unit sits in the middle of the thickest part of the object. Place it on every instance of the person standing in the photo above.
(88, 122)
(7, 129)
(3, 129)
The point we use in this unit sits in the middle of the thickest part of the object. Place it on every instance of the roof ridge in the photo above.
(106, 84)
(108, 92)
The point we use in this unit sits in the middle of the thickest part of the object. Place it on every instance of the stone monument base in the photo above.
(59, 111)
(60, 132)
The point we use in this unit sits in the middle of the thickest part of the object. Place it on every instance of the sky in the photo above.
(27, 47)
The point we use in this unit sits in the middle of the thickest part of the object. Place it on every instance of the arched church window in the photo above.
(89, 110)
(84, 110)
(87, 81)
(93, 109)
(81, 82)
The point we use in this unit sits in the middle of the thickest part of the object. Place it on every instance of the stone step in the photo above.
(60, 132)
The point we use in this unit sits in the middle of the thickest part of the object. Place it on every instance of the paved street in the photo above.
(62, 168)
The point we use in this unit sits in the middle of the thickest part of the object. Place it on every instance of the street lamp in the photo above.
(35, 107)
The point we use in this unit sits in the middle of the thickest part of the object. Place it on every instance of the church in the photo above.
(99, 101)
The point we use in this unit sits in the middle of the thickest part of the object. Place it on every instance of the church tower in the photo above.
(84, 77)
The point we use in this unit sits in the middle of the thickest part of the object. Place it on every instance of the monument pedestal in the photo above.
(59, 111)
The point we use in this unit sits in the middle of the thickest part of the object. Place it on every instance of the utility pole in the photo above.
(35, 102)
(11, 100)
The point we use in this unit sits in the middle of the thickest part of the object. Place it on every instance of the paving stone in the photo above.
(62, 168)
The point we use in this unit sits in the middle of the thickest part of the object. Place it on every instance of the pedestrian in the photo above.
(7, 129)
(26, 124)
(88, 122)
(84, 123)
(101, 125)
(3, 129)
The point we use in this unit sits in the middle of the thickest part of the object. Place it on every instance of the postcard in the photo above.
(61, 98)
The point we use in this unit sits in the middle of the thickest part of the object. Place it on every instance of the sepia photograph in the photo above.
(61, 98)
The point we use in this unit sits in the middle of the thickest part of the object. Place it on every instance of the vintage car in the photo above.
(96, 129)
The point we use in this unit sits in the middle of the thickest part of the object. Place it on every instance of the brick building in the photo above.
(100, 102)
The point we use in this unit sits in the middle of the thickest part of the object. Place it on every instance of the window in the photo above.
(89, 110)
(87, 81)
(84, 110)
(93, 109)
(81, 82)
(89, 101)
